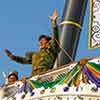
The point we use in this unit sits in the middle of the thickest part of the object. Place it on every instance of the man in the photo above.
(44, 59)
(9, 90)
(12, 77)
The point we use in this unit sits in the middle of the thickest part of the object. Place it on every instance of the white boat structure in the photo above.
(69, 82)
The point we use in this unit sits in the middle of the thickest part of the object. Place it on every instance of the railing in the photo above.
(67, 97)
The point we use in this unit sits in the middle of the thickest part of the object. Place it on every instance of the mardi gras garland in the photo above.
(85, 72)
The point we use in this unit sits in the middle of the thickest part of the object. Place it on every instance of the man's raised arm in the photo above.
(53, 19)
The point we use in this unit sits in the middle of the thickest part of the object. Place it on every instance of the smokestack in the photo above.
(71, 26)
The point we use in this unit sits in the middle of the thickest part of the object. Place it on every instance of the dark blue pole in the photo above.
(71, 26)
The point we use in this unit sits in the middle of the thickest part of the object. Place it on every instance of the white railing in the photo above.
(67, 97)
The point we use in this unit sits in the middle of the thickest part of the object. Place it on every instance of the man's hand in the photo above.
(9, 54)
(54, 16)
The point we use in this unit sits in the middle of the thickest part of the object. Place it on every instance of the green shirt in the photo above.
(45, 58)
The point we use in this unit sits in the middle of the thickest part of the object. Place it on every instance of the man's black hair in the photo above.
(44, 36)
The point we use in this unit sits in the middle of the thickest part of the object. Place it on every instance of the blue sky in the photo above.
(21, 23)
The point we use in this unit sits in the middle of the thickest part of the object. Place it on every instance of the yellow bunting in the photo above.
(84, 79)
(32, 85)
(69, 76)
(96, 73)
(77, 81)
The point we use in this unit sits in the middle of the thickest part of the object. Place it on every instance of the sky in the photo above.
(23, 21)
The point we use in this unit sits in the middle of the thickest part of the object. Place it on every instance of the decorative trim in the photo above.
(72, 23)
(94, 25)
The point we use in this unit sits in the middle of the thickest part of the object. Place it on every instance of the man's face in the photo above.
(12, 79)
(43, 43)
